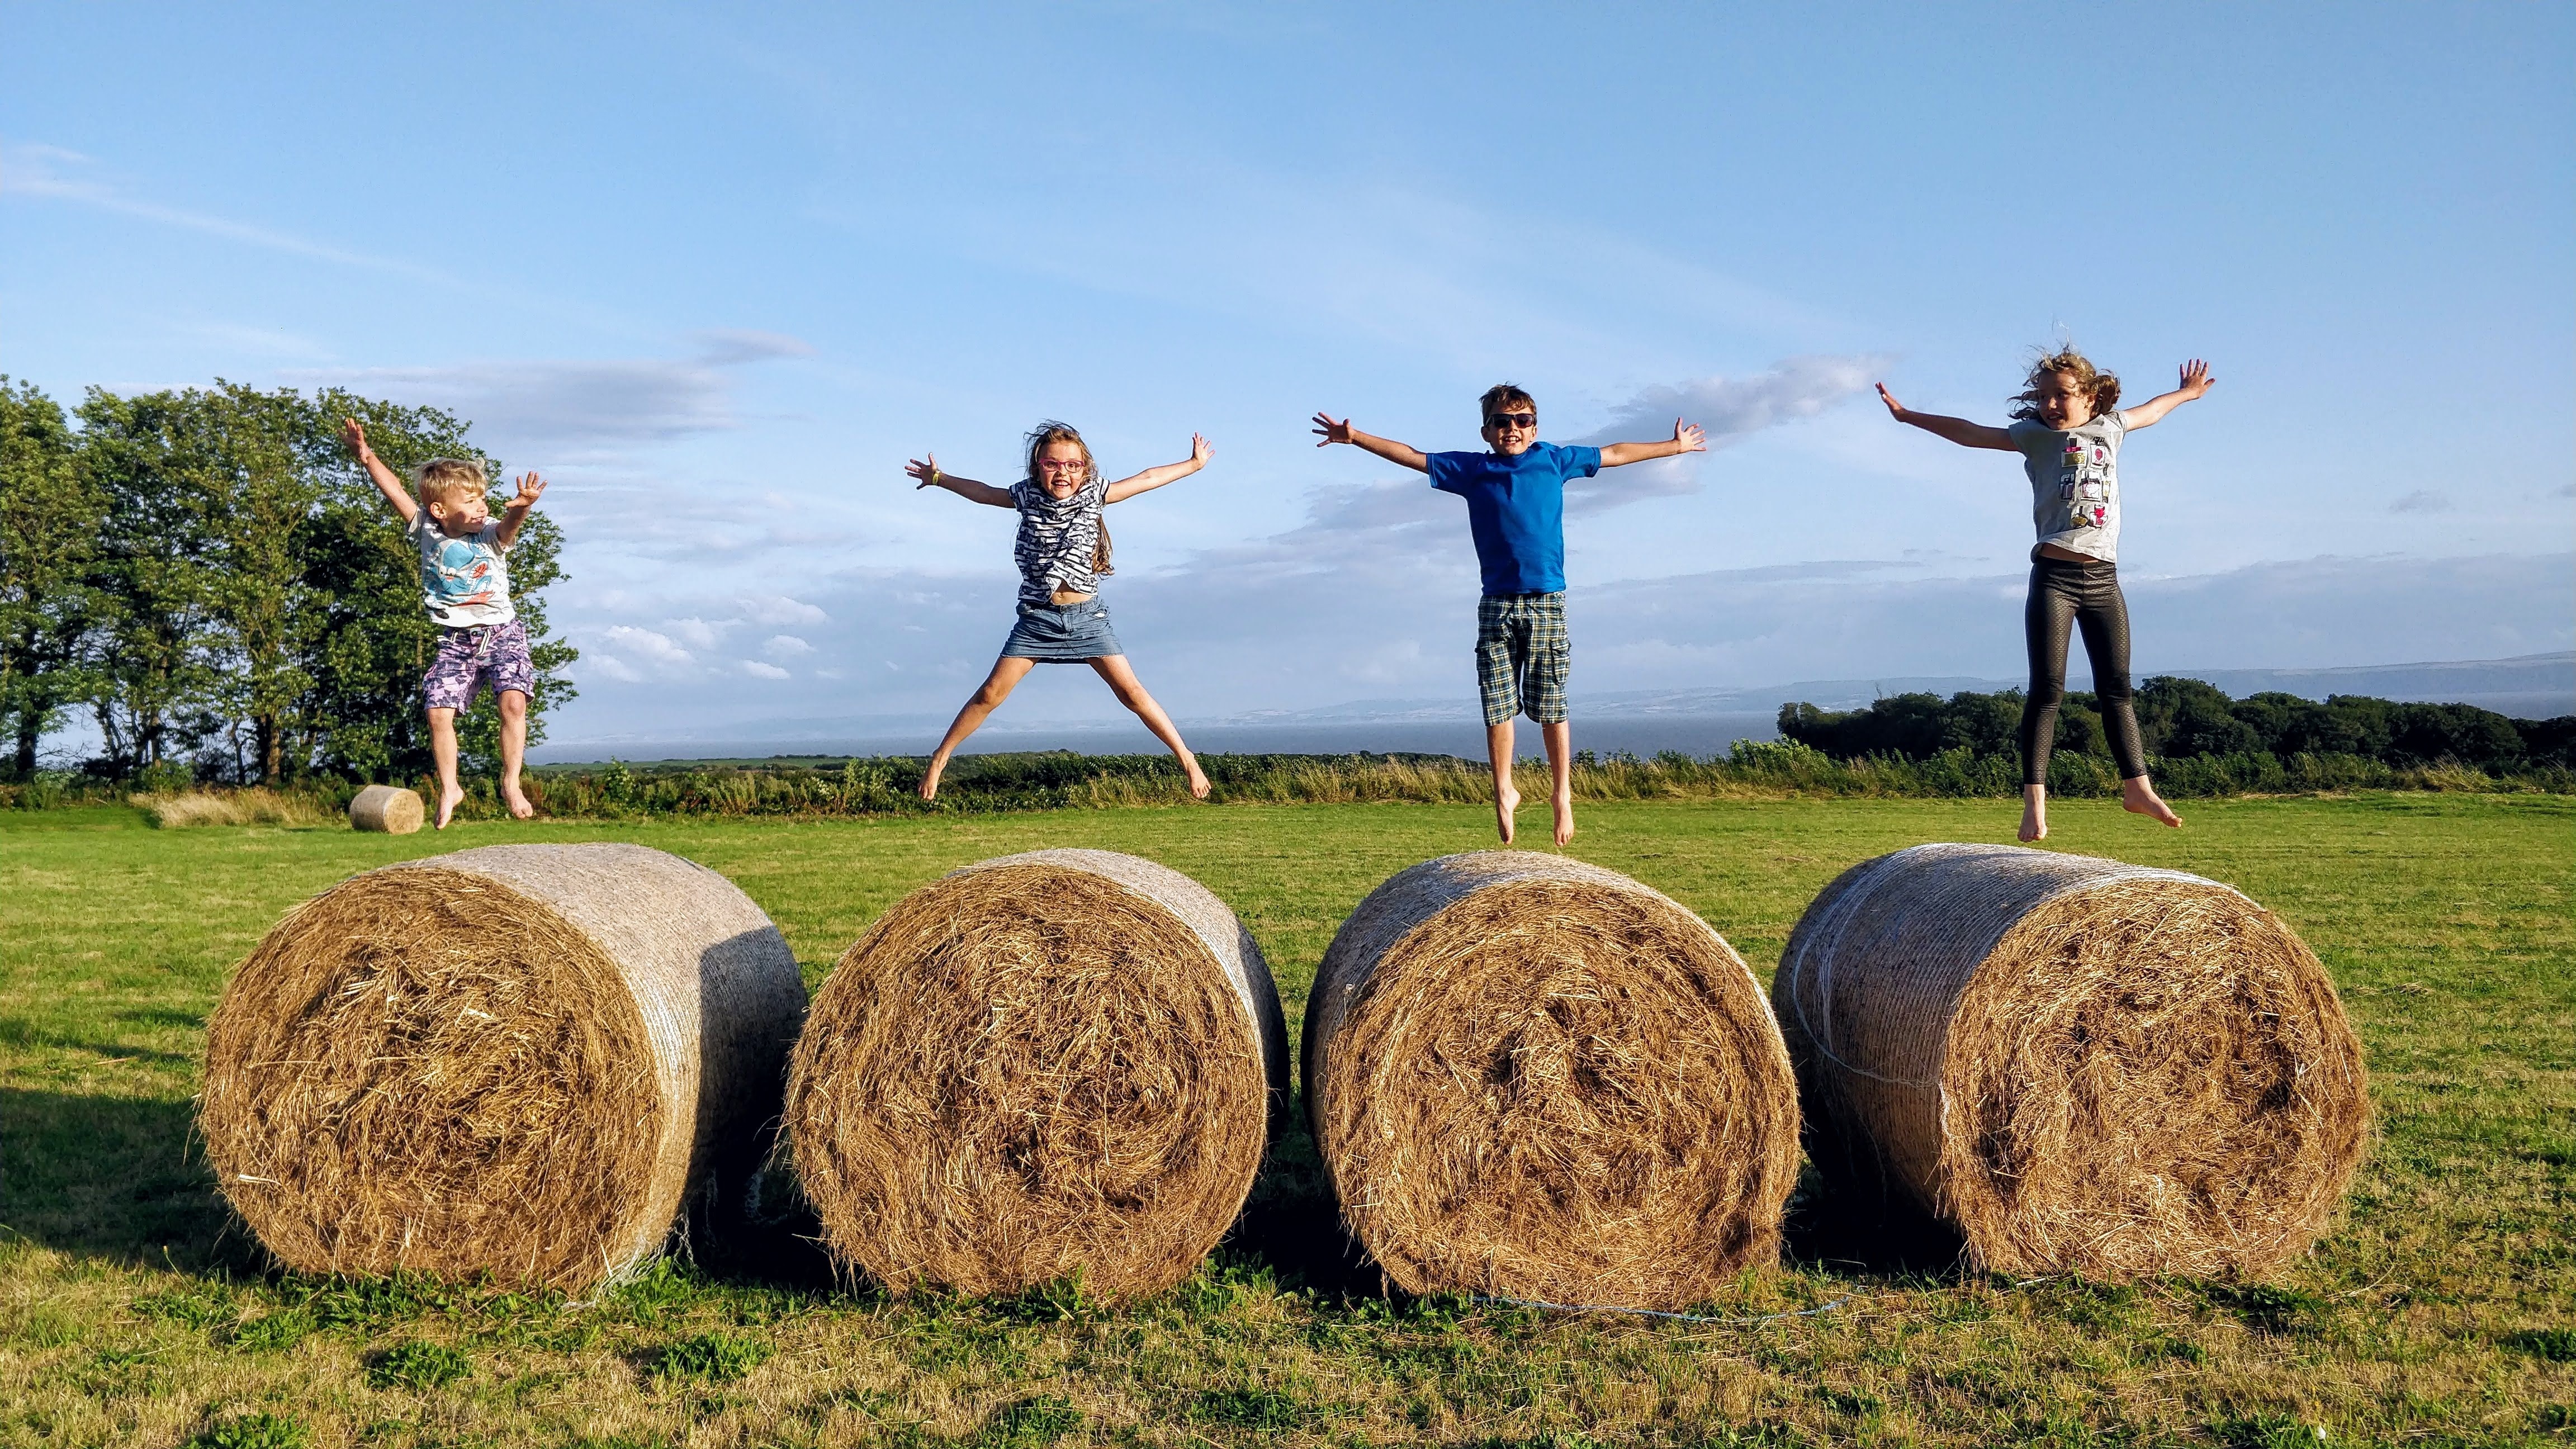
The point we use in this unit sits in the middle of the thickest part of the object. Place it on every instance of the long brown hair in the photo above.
(2104, 386)
(1048, 434)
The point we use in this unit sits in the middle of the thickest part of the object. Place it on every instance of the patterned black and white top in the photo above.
(1057, 540)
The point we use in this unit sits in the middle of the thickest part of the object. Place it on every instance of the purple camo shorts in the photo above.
(469, 658)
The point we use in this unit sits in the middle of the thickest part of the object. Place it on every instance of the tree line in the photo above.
(2188, 719)
(210, 579)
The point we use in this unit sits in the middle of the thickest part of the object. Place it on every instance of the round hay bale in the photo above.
(1533, 1078)
(1045, 1066)
(516, 1060)
(2082, 1066)
(389, 809)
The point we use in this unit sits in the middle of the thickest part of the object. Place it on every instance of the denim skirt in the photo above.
(1062, 633)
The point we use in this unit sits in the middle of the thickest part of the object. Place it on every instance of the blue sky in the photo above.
(719, 271)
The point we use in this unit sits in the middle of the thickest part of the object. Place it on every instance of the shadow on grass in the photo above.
(118, 1178)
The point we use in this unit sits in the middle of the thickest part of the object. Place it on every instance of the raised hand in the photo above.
(925, 469)
(531, 488)
(1200, 452)
(1332, 432)
(2195, 378)
(355, 435)
(1689, 435)
(1895, 409)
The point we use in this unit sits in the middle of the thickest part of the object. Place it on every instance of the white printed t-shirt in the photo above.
(2075, 482)
(464, 581)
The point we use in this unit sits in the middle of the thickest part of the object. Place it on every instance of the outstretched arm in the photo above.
(1686, 438)
(1387, 448)
(530, 486)
(925, 471)
(1958, 430)
(387, 481)
(2195, 383)
(1153, 478)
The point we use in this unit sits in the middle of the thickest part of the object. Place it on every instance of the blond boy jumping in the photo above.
(465, 583)
(1515, 492)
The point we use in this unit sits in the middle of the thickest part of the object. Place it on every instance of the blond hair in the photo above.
(1049, 433)
(440, 480)
(2104, 387)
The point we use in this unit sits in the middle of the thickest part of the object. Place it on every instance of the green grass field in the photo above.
(2441, 1310)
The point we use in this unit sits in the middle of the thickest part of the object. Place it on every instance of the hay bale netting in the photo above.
(516, 1060)
(390, 809)
(1537, 1079)
(2082, 1066)
(1046, 1066)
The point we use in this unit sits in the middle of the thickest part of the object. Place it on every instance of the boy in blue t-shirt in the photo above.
(1516, 510)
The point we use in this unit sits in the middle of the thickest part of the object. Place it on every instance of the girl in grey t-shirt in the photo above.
(2067, 426)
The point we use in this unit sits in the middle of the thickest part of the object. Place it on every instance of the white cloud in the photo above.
(758, 670)
(776, 609)
(698, 633)
(786, 646)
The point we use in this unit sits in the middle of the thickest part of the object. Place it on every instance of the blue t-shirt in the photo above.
(1516, 510)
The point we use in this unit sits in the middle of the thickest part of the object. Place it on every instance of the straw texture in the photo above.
(389, 809)
(1534, 1078)
(1056, 1065)
(2081, 1065)
(516, 1060)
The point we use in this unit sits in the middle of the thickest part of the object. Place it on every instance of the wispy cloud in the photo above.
(1729, 409)
(28, 169)
(2422, 500)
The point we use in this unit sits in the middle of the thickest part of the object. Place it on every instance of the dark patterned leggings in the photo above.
(2088, 596)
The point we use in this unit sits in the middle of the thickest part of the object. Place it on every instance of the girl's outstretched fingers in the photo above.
(923, 470)
(1332, 431)
(1895, 409)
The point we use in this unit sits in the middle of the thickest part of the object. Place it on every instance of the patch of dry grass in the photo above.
(257, 805)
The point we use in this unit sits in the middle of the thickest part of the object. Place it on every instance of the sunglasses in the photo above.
(1511, 420)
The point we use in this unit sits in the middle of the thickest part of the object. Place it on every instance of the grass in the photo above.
(2442, 1310)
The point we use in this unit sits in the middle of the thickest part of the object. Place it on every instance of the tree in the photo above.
(259, 609)
(152, 671)
(50, 513)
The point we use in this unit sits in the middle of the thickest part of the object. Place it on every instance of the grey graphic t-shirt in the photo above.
(464, 581)
(1056, 541)
(2075, 483)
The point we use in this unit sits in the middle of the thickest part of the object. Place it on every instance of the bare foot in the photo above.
(520, 809)
(1564, 817)
(2034, 820)
(1506, 800)
(448, 800)
(2140, 798)
(1198, 782)
(930, 781)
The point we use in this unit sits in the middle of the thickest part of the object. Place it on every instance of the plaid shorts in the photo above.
(469, 658)
(1522, 656)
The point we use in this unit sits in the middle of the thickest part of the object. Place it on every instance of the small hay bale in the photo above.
(1537, 1079)
(516, 1060)
(1045, 1066)
(2080, 1065)
(390, 809)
